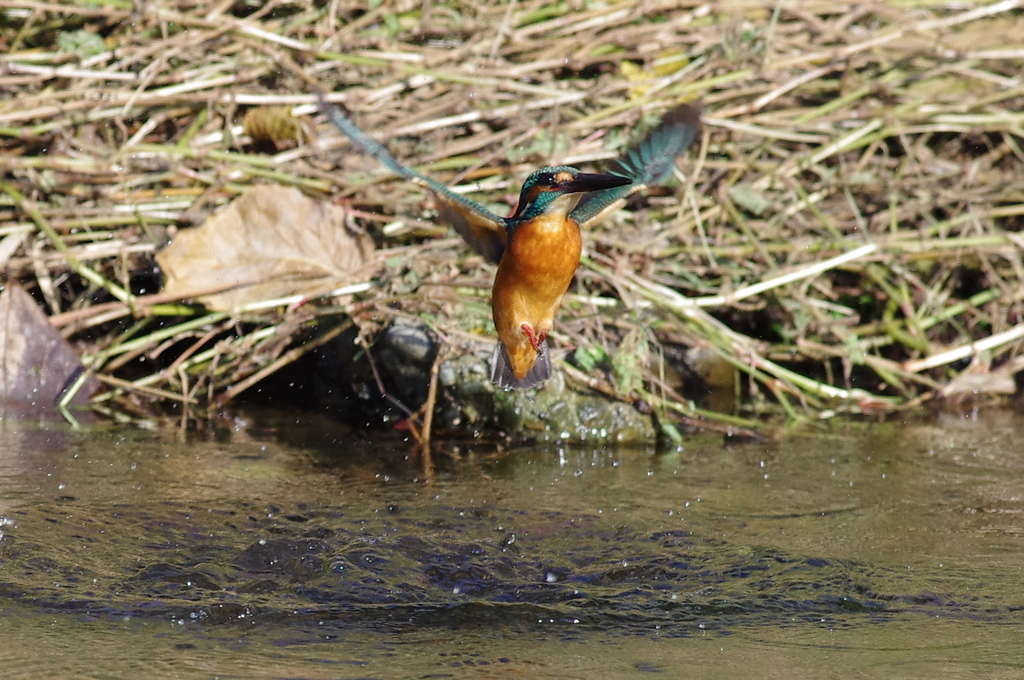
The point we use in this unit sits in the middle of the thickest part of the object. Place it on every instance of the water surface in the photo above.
(289, 547)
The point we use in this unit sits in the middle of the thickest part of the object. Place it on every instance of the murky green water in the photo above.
(293, 548)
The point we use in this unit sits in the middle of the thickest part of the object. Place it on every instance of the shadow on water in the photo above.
(299, 534)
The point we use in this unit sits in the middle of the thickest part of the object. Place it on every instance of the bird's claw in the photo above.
(535, 340)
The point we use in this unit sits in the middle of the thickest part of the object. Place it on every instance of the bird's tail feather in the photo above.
(501, 369)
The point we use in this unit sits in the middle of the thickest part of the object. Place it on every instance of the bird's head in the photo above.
(557, 190)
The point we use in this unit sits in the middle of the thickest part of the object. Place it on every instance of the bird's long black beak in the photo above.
(594, 182)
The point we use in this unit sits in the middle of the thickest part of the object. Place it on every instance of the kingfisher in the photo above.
(537, 248)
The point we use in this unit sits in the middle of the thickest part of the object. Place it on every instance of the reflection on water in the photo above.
(298, 549)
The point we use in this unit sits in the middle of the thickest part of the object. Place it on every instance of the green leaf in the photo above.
(748, 198)
(81, 43)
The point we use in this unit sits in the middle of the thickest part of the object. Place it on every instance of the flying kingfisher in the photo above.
(537, 248)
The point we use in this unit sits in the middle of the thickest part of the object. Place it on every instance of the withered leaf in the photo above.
(36, 363)
(269, 243)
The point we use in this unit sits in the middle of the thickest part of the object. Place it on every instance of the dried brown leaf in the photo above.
(36, 363)
(269, 243)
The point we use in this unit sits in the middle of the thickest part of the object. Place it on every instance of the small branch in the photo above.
(428, 408)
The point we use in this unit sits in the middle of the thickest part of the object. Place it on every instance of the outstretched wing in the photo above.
(483, 230)
(648, 163)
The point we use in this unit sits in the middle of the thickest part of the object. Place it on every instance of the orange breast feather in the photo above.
(533, 276)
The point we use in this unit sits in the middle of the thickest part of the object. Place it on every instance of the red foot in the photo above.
(535, 340)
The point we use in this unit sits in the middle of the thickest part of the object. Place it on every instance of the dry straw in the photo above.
(846, 235)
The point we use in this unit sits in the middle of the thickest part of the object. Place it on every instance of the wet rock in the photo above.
(406, 352)
(409, 343)
(467, 393)
(556, 412)
(550, 413)
(467, 401)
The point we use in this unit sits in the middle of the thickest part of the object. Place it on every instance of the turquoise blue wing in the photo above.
(484, 231)
(648, 163)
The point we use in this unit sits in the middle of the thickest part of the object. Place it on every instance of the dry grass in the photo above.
(862, 162)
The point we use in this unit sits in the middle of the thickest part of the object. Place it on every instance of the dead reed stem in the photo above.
(847, 236)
